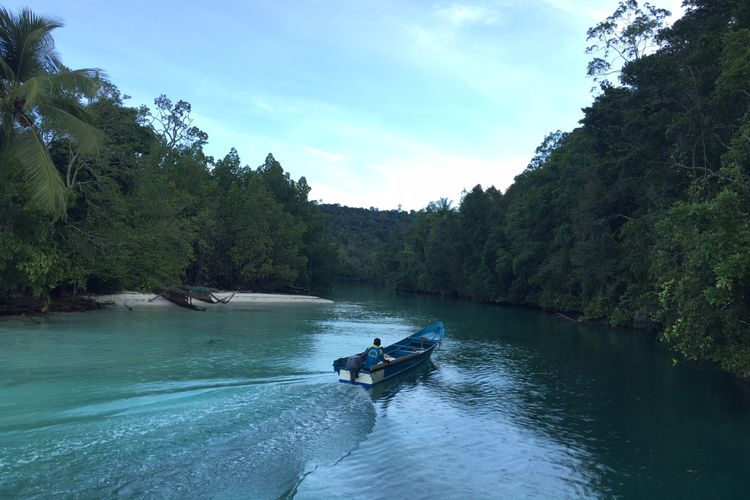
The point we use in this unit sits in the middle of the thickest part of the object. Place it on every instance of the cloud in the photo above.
(595, 11)
(324, 154)
(415, 181)
(251, 147)
(580, 9)
(459, 15)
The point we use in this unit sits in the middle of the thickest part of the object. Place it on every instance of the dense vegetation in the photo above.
(640, 216)
(363, 238)
(98, 196)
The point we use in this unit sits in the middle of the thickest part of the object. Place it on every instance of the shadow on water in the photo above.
(387, 390)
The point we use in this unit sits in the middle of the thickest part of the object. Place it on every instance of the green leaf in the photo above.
(44, 183)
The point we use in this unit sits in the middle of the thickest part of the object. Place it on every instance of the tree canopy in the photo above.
(135, 202)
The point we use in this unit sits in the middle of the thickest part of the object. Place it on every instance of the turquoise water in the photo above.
(240, 401)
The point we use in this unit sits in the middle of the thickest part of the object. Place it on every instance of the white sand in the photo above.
(147, 299)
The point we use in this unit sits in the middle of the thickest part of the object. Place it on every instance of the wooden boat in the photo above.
(180, 297)
(402, 356)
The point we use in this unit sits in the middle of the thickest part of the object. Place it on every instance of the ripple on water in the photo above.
(248, 441)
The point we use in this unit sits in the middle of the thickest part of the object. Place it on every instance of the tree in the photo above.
(174, 124)
(551, 142)
(36, 92)
(627, 35)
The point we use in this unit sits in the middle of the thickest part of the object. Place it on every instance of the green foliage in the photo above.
(367, 243)
(30, 264)
(38, 94)
(639, 217)
(31, 261)
(146, 208)
(265, 233)
(704, 276)
(627, 35)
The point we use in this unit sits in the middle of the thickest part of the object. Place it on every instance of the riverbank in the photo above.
(135, 299)
(17, 306)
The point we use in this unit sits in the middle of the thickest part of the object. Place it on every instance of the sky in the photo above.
(377, 103)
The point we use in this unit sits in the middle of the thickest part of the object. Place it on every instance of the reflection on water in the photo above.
(242, 402)
(388, 389)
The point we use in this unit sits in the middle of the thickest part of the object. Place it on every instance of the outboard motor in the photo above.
(354, 365)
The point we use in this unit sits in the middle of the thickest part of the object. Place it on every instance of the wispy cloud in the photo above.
(461, 14)
(595, 11)
(327, 155)
(581, 9)
(376, 103)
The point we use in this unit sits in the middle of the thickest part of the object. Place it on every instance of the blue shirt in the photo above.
(373, 356)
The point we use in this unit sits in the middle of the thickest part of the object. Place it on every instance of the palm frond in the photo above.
(26, 44)
(6, 118)
(87, 138)
(73, 84)
(6, 72)
(37, 91)
(27, 93)
(85, 82)
(43, 180)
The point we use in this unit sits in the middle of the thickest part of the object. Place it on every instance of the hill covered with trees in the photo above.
(641, 216)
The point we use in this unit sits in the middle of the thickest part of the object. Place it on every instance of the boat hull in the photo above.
(369, 378)
(404, 356)
(181, 298)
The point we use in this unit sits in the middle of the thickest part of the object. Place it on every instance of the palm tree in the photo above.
(37, 92)
(442, 207)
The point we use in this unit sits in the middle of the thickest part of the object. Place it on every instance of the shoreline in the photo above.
(131, 299)
(27, 306)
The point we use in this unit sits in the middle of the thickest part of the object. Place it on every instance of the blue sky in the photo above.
(377, 103)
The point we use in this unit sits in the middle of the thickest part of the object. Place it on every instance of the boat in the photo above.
(184, 295)
(179, 297)
(401, 356)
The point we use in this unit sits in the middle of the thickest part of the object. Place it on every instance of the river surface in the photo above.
(241, 401)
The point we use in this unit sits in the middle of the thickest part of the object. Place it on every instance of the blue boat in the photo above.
(400, 357)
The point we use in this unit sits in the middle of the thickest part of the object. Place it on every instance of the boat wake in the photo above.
(235, 441)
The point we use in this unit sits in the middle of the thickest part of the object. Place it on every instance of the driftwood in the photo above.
(567, 317)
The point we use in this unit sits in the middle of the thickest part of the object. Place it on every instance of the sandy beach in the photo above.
(132, 299)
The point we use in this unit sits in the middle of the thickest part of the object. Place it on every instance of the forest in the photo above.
(639, 217)
(101, 197)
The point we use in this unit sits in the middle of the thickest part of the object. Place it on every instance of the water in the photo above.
(241, 402)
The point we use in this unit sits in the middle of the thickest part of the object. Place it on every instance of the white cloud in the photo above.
(459, 15)
(595, 11)
(413, 182)
(251, 147)
(327, 155)
(581, 9)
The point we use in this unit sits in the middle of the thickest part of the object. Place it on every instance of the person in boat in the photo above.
(374, 354)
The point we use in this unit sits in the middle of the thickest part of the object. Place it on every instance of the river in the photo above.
(240, 401)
